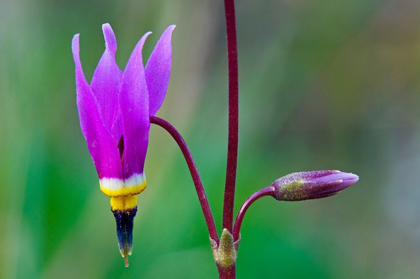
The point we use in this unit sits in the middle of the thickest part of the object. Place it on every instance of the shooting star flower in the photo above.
(114, 113)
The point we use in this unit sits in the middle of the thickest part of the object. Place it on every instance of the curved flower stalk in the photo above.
(114, 113)
(299, 186)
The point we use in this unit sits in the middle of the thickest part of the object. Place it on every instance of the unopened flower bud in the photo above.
(312, 184)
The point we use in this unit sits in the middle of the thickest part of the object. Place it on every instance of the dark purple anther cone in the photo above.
(312, 184)
(124, 220)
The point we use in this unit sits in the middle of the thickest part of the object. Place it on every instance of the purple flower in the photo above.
(312, 184)
(114, 113)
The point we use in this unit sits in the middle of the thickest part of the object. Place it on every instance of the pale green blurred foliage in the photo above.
(323, 84)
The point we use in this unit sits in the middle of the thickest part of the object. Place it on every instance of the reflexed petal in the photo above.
(106, 82)
(134, 104)
(101, 146)
(158, 70)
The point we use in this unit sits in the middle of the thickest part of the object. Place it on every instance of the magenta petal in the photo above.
(158, 70)
(134, 104)
(343, 180)
(101, 146)
(106, 82)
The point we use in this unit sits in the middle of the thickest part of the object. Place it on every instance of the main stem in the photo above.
(232, 157)
(194, 174)
(227, 273)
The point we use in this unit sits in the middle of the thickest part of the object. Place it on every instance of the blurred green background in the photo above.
(323, 85)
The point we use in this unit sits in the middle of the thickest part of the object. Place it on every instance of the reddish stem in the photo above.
(227, 273)
(232, 156)
(194, 174)
(269, 191)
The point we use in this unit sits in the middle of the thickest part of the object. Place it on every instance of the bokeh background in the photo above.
(323, 85)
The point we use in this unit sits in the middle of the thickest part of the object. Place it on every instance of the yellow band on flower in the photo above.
(123, 203)
(115, 187)
(124, 191)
